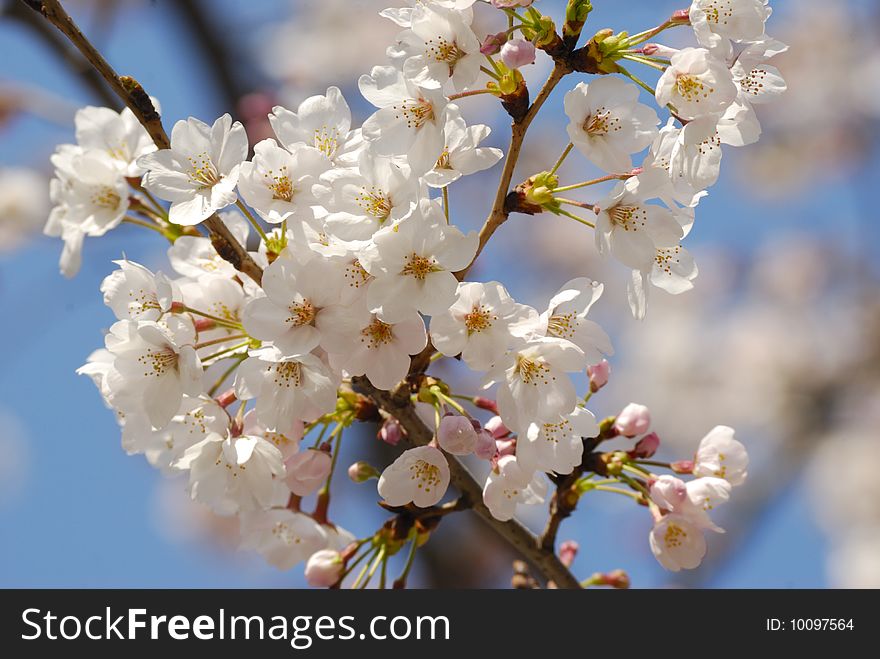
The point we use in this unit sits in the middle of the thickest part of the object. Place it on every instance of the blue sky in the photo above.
(84, 515)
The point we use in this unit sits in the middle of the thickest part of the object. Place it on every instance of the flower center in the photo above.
(480, 318)
(553, 432)
(426, 475)
(120, 152)
(443, 160)
(562, 325)
(279, 184)
(356, 275)
(441, 50)
(377, 334)
(416, 112)
(666, 258)
(629, 218)
(674, 537)
(203, 172)
(419, 266)
(106, 197)
(158, 363)
(302, 313)
(375, 202)
(287, 374)
(142, 301)
(601, 123)
(718, 11)
(284, 533)
(327, 140)
(532, 371)
(691, 88)
(753, 83)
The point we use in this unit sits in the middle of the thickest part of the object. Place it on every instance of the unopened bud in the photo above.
(486, 404)
(324, 568)
(633, 420)
(390, 432)
(492, 43)
(307, 471)
(646, 447)
(615, 579)
(658, 50)
(517, 53)
(682, 466)
(505, 447)
(361, 472)
(599, 374)
(456, 435)
(568, 551)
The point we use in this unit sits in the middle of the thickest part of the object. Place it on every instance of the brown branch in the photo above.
(398, 405)
(134, 96)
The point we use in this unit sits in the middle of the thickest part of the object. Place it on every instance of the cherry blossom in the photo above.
(135, 293)
(462, 155)
(696, 84)
(608, 124)
(118, 134)
(419, 476)
(282, 536)
(566, 318)
(198, 174)
(722, 456)
(556, 446)
(508, 485)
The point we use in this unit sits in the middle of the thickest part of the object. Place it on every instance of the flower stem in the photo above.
(594, 181)
(561, 211)
(446, 203)
(641, 83)
(616, 490)
(562, 158)
(222, 378)
(400, 582)
(216, 319)
(146, 225)
(645, 61)
(225, 351)
(222, 339)
(470, 92)
(252, 220)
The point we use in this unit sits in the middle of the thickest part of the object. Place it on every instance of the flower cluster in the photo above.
(225, 379)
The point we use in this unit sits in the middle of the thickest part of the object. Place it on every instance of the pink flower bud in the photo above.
(486, 404)
(485, 448)
(492, 43)
(669, 492)
(324, 568)
(615, 579)
(390, 432)
(361, 472)
(683, 466)
(456, 435)
(658, 50)
(645, 447)
(517, 53)
(307, 471)
(567, 552)
(496, 427)
(633, 420)
(599, 374)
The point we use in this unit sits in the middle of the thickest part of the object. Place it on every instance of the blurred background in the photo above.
(780, 338)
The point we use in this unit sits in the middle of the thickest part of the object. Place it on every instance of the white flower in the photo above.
(478, 325)
(419, 476)
(232, 474)
(410, 120)
(323, 122)
(722, 456)
(677, 543)
(696, 84)
(196, 419)
(717, 22)
(556, 446)
(118, 134)
(630, 229)
(673, 270)
(324, 568)
(90, 197)
(278, 182)
(533, 385)
(413, 264)
(198, 174)
(758, 83)
(135, 293)
(677, 537)
(217, 296)
(566, 318)
(462, 155)
(154, 365)
(378, 193)
(439, 47)
(287, 388)
(510, 484)
(283, 537)
(608, 124)
(195, 256)
(299, 287)
(361, 343)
